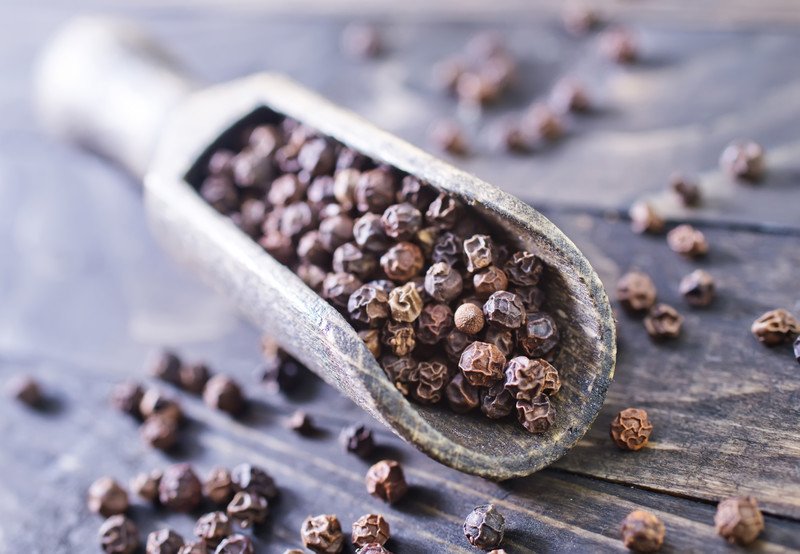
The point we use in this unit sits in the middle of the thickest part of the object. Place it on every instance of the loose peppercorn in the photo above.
(26, 390)
(107, 497)
(448, 136)
(196, 547)
(442, 282)
(348, 258)
(212, 528)
(127, 397)
(636, 291)
(248, 509)
(253, 479)
(337, 288)
(236, 544)
(369, 305)
(497, 401)
(358, 440)
(443, 212)
(159, 431)
(310, 249)
(619, 45)
(489, 281)
(448, 248)
(370, 529)
(155, 403)
(510, 136)
(775, 327)
(469, 319)
(300, 422)
(401, 221)
(479, 252)
(219, 191)
(369, 235)
(119, 535)
(698, 288)
(524, 269)
(482, 364)
(322, 534)
(180, 489)
(372, 339)
(645, 219)
(165, 365)
(145, 485)
(402, 261)
(373, 548)
(580, 20)
(402, 371)
(537, 414)
(743, 160)
(663, 322)
(539, 335)
(738, 520)
(335, 231)
(375, 191)
(686, 190)
(688, 241)
(434, 323)
(218, 486)
(797, 349)
(433, 377)
(193, 377)
(631, 429)
(296, 219)
(505, 310)
(386, 480)
(569, 95)
(542, 123)
(484, 527)
(405, 303)
(224, 394)
(164, 541)
(399, 337)
(461, 396)
(281, 372)
(415, 192)
(642, 531)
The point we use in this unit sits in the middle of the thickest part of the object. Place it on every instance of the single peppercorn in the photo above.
(698, 288)
(686, 190)
(489, 281)
(448, 248)
(631, 429)
(224, 394)
(159, 431)
(454, 344)
(743, 160)
(348, 258)
(145, 485)
(196, 547)
(537, 414)
(369, 305)
(636, 291)
(155, 403)
(163, 541)
(443, 212)
(469, 319)
(775, 327)
(539, 335)
(300, 422)
(442, 282)
(405, 303)
(505, 310)
(541, 122)
(532, 298)
(193, 377)
(415, 192)
(25, 389)
(401, 221)
(503, 339)
(279, 246)
(165, 365)
(448, 136)
(402, 371)
(619, 45)
(642, 531)
(119, 535)
(569, 95)
(524, 269)
(212, 528)
(107, 497)
(248, 509)
(399, 337)
(434, 323)
(338, 287)
(253, 479)
(281, 372)
(526, 378)
(479, 252)
(127, 397)
(358, 440)
(402, 261)
(433, 377)
(218, 486)
(375, 191)
(220, 192)
(372, 340)
(739, 520)
(370, 529)
(484, 527)
(180, 489)
(236, 544)
(688, 241)
(645, 219)
(663, 322)
(369, 235)
(385, 480)
(482, 364)
(797, 349)
(497, 401)
(461, 396)
(322, 534)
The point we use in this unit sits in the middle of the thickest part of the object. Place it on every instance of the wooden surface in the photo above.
(86, 294)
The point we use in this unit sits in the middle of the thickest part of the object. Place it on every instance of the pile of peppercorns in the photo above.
(449, 310)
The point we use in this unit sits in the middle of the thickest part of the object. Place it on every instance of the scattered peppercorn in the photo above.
(619, 45)
(631, 429)
(579, 19)
(281, 372)
(775, 327)
(165, 365)
(119, 535)
(236, 544)
(248, 509)
(218, 486)
(322, 534)
(145, 485)
(743, 160)
(127, 397)
(180, 489)
(645, 219)
(224, 394)
(300, 422)
(484, 527)
(688, 241)
(164, 541)
(159, 431)
(698, 288)
(686, 190)
(636, 291)
(193, 377)
(385, 480)
(253, 479)
(738, 520)
(569, 95)
(212, 528)
(361, 41)
(107, 497)
(663, 322)
(27, 390)
(541, 123)
(797, 349)
(642, 531)
(370, 529)
(155, 403)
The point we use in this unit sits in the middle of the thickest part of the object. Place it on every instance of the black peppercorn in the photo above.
(505, 310)
(482, 364)
(405, 303)
(107, 497)
(322, 534)
(310, 249)
(619, 45)
(164, 541)
(484, 527)
(536, 415)
(532, 298)
(698, 288)
(448, 248)
(479, 251)
(253, 479)
(335, 231)
(375, 191)
(212, 528)
(686, 190)
(399, 337)
(743, 160)
(642, 532)
(645, 219)
(688, 241)
(165, 365)
(370, 529)
(374, 548)
(279, 246)
(286, 189)
(433, 377)
(159, 431)
(155, 403)
(369, 235)
(252, 168)
(196, 547)
(524, 269)
(541, 122)
(146, 485)
(434, 323)
(317, 157)
(349, 258)
(220, 192)
(402, 261)
(461, 396)
(372, 340)
(775, 327)
(497, 401)
(300, 422)
(369, 305)
(280, 372)
(248, 509)
(358, 440)
(442, 282)
(503, 339)
(119, 535)
(337, 288)
(385, 480)
(402, 371)
(218, 487)
(636, 291)
(179, 488)
(193, 377)
(236, 544)
(448, 136)
(539, 335)
(443, 212)
(489, 281)
(127, 397)
(663, 322)
(415, 192)
(739, 520)
(401, 221)
(223, 393)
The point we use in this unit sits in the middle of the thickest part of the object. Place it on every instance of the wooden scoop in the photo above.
(105, 85)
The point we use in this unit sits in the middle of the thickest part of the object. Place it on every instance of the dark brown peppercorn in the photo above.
(348, 258)
(775, 327)
(539, 335)
(193, 377)
(253, 479)
(212, 528)
(503, 339)
(461, 396)
(107, 497)
(265, 139)
(415, 192)
(370, 529)
(532, 298)
(252, 213)
(361, 41)
(688, 241)
(663, 322)
(374, 548)
(739, 520)
(335, 231)
(119, 535)
(455, 343)
(469, 319)
(448, 248)
(281, 372)
(145, 485)
(631, 429)
(155, 402)
(505, 310)
(180, 489)
(642, 531)
(344, 187)
(479, 251)
(433, 378)
(526, 378)
(569, 95)
(372, 339)
(385, 480)
(743, 160)
(218, 487)
(317, 157)
(448, 136)
(402, 371)
(312, 275)
(337, 288)
(402, 261)
(797, 349)
(686, 191)
(300, 422)
(296, 219)
(251, 168)
(127, 397)
(369, 235)
(248, 509)
(698, 288)
(644, 218)
(220, 192)
(159, 431)
(484, 527)
(401, 221)
(443, 212)
(311, 250)
(524, 269)
(442, 282)
(369, 305)
(542, 123)
(286, 189)
(536, 415)
(358, 440)
(489, 281)
(164, 541)
(349, 158)
(279, 246)
(236, 544)
(375, 191)
(196, 547)
(322, 534)
(636, 291)
(221, 163)
(619, 45)
(434, 323)
(482, 364)
(399, 337)
(405, 303)
(497, 401)
(165, 365)
(223, 393)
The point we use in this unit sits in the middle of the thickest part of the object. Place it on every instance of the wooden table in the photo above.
(86, 293)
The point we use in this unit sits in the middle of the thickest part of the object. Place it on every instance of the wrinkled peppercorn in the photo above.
(405, 303)
(335, 231)
(107, 497)
(739, 520)
(698, 288)
(165, 365)
(502, 339)
(443, 212)
(369, 235)
(448, 136)
(663, 322)
(686, 190)
(223, 393)
(375, 191)
(127, 397)
(193, 377)
(688, 241)
(542, 123)
(434, 323)
(743, 160)
(402, 261)
(348, 258)
(461, 396)
(164, 541)
(218, 487)
(416, 193)
(797, 349)
(642, 531)
(489, 281)
(497, 401)
(539, 335)
(636, 291)
(775, 327)
(337, 288)
(300, 422)
(469, 319)
(248, 509)
(196, 547)
(505, 310)
(479, 251)
(532, 298)
(536, 415)
(369, 305)
(179, 488)
(631, 429)
(385, 480)
(322, 534)
(401, 221)
(159, 431)
(145, 485)
(524, 269)
(372, 340)
(212, 528)
(296, 219)
(358, 440)
(402, 371)
(454, 344)
(619, 45)
(645, 219)
(484, 527)
(370, 529)
(253, 479)
(399, 337)
(433, 377)
(526, 378)
(119, 535)
(448, 248)
(442, 282)
(482, 364)
(569, 95)
(155, 403)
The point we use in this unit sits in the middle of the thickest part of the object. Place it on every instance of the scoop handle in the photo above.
(103, 83)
